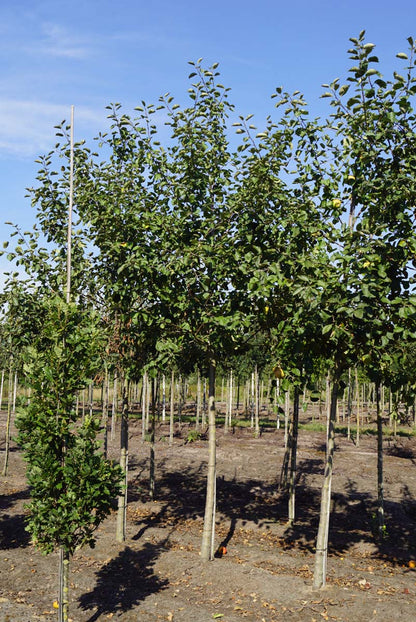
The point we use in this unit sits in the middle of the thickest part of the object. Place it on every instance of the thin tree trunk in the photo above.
(328, 404)
(293, 454)
(63, 598)
(380, 477)
(256, 404)
(124, 462)
(144, 404)
(226, 404)
(91, 388)
(152, 444)
(252, 400)
(1, 389)
(276, 403)
(8, 422)
(163, 398)
(204, 404)
(198, 400)
(208, 534)
(349, 404)
(287, 408)
(105, 412)
(321, 554)
(83, 406)
(172, 405)
(230, 410)
(357, 440)
(114, 408)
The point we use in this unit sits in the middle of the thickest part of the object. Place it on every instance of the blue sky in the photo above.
(90, 53)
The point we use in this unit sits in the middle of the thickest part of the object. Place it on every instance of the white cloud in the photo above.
(27, 127)
(59, 41)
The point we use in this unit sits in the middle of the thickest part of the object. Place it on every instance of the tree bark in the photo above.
(380, 476)
(8, 422)
(357, 389)
(172, 405)
(152, 444)
(124, 461)
(287, 408)
(63, 598)
(257, 406)
(114, 407)
(321, 554)
(293, 455)
(198, 400)
(1, 389)
(208, 534)
(163, 398)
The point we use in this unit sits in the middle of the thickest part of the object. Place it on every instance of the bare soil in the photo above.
(266, 574)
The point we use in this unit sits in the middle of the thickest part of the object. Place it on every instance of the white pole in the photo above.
(1, 388)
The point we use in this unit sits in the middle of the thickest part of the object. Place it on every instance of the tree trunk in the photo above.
(319, 575)
(63, 598)
(198, 400)
(208, 534)
(8, 423)
(104, 403)
(124, 461)
(144, 389)
(152, 443)
(204, 404)
(380, 477)
(91, 404)
(276, 402)
(349, 403)
(226, 405)
(256, 404)
(231, 398)
(252, 401)
(287, 408)
(114, 408)
(163, 398)
(293, 453)
(1, 389)
(172, 405)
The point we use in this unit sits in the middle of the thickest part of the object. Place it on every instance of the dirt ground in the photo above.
(266, 574)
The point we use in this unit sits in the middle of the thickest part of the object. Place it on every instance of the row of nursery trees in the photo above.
(189, 246)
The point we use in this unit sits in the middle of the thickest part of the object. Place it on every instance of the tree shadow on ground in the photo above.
(12, 527)
(7, 501)
(398, 450)
(253, 501)
(13, 534)
(124, 582)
